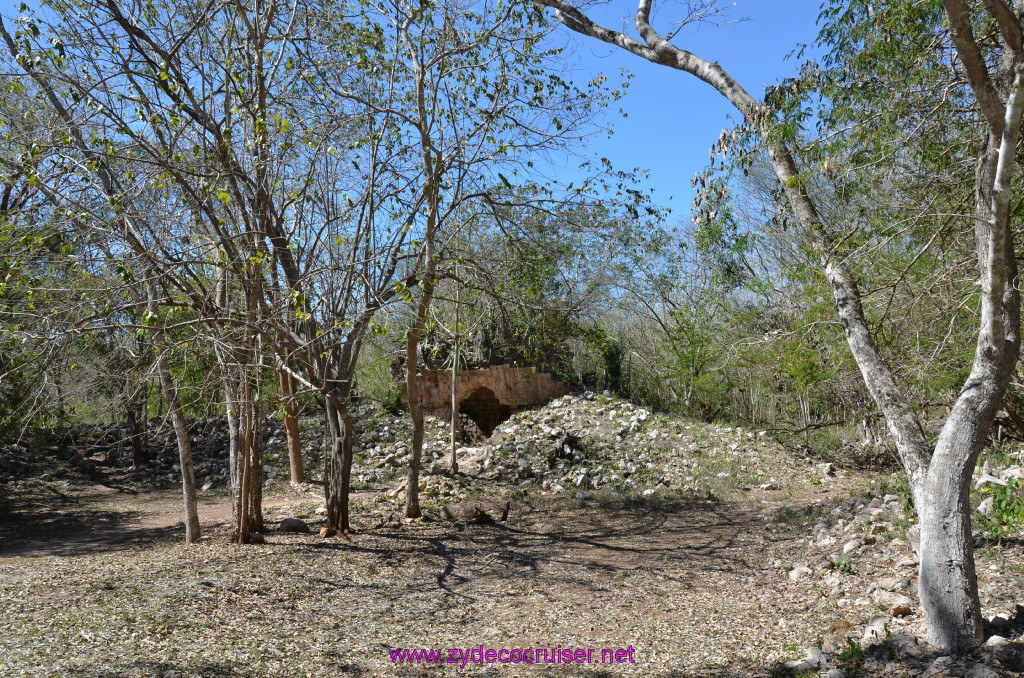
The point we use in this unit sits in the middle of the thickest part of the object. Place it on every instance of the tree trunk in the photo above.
(135, 415)
(256, 461)
(249, 456)
(412, 481)
(948, 585)
(455, 394)
(412, 386)
(234, 433)
(291, 426)
(340, 427)
(243, 523)
(188, 475)
(249, 494)
(229, 382)
(433, 169)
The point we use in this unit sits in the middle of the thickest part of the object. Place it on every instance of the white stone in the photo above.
(800, 572)
(875, 630)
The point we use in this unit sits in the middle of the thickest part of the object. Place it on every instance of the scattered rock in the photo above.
(840, 626)
(294, 525)
(326, 532)
(999, 623)
(891, 599)
(986, 479)
(468, 513)
(815, 657)
(981, 671)
(800, 572)
(257, 538)
(798, 666)
(905, 645)
(875, 630)
(940, 668)
(892, 583)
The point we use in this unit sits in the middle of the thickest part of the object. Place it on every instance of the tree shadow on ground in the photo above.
(198, 669)
(160, 670)
(1009, 658)
(581, 545)
(43, 520)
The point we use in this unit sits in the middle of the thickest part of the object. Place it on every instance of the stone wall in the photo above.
(488, 396)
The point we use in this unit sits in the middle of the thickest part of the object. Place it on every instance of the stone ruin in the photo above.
(489, 395)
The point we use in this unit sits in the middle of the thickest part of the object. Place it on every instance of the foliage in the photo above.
(1007, 508)
(393, 401)
(851, 659)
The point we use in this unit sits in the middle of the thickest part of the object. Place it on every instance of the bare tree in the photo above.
(476, 108)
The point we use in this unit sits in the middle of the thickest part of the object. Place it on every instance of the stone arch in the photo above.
(484, 408)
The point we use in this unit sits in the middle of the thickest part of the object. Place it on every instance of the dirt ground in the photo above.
(95, 580)
(101, 576)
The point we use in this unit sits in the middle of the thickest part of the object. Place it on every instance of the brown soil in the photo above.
(95, 580)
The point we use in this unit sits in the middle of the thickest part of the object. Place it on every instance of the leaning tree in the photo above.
(939, 470)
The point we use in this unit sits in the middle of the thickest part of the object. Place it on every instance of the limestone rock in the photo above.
(798, 666)
(294, 525)
(875, 630)
(981, 671)
(941, 667)
(893, 583)
(905, 645)
(815, 657)
(468, 513)
(890, 599)
(800, 572)
(840, 626)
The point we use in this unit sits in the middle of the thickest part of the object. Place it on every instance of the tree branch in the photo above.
(1009, 26)
(975, 69)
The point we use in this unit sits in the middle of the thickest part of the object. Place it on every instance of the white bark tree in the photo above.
(939, 471)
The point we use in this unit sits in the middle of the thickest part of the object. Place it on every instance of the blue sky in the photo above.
(673, 118)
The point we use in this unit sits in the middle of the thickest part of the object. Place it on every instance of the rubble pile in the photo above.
(577, 445)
